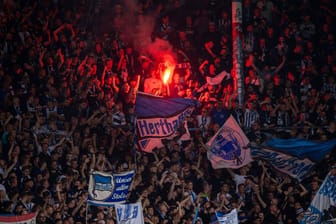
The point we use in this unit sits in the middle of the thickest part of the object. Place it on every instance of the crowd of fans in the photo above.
(69, 78)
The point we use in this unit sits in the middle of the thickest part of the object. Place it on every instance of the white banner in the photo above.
(129, 213)
(106, 189)
(319, 209)
(230, 218)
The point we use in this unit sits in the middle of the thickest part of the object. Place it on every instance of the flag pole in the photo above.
(237, 52)
(86, 213)
(134, 122)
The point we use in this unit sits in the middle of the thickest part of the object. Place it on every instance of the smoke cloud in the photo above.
(137, 29)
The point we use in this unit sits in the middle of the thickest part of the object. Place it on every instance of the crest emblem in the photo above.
(101, 186)
(226, 145)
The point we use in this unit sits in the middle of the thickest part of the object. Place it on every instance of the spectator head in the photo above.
(276, 80)
(163, 207)
(109, 63)
(41, 217)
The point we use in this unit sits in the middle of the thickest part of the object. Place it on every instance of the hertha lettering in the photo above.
(161, 127)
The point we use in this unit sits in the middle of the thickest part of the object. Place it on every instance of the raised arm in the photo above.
(201, 67)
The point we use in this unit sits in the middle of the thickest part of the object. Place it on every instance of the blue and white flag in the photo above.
(229, 218)
(324, 199)
(129, 213)
(160, 118)
(228, 147)
(107, 189)
(290, 165)
(302, 148)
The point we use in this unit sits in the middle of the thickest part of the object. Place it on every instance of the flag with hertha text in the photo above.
(159, 118)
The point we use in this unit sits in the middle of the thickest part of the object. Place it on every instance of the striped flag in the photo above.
(29, 218)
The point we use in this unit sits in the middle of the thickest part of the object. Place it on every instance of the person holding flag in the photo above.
(322, 208)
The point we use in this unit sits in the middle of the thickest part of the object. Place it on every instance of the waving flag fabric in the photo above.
(325, 199)
(228, 147)
(214, 80)
(290, 165)
(230, 218)
(218, 78)
(129, 213)
(18, 219)
(107, 189)
(302, 148)
(160, 118)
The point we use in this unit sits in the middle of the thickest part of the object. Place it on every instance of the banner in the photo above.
(19, 219)
(228, 147)
(292, 166)
(129, 213)
(230, 218)
(302, 148)
(159, 118)
(107, 189)
(323, 205)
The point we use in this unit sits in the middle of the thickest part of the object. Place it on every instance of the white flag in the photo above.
(214, 80)
(129, 213)
(230, 218)
(218, 78)
(319, 209)
(228, 147)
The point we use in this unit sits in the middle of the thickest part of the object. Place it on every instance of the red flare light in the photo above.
(166, 75)
(167, 68)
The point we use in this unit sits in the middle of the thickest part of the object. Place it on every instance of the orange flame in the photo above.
(166, 75)
(168, 66)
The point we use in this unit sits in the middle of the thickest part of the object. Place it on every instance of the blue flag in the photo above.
(325, 198)
(160, 118)
(107, 189)
(302, 148)
(290, 165)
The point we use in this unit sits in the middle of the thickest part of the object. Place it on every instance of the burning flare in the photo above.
(166, 75)
(168, 69)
